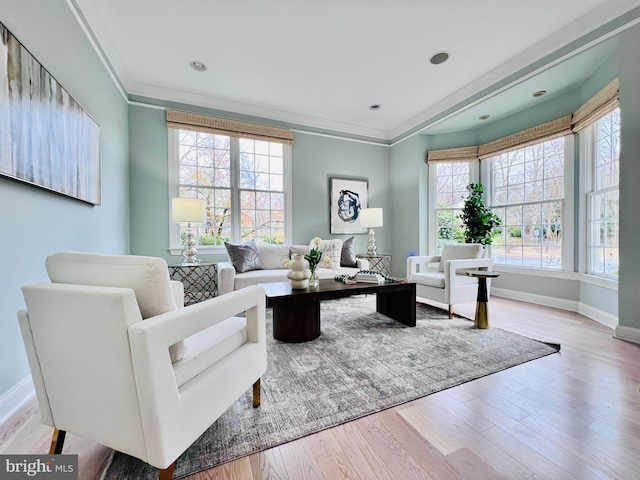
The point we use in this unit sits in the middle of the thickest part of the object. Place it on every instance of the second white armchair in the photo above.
(441, 278)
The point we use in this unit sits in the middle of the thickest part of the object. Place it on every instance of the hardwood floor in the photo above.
(572, 415)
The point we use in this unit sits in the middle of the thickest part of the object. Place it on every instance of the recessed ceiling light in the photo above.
(375, 106)
(198, 66)
(484, 117)
(539, 93)
(439, 58)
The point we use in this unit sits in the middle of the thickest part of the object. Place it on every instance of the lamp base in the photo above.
(189, 253)
(371, 246)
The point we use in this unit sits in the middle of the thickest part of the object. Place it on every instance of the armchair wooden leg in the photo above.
(450, 311)
(256, 394)
(167, 473)
(57, 441)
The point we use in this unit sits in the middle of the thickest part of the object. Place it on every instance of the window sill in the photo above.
(575, 276)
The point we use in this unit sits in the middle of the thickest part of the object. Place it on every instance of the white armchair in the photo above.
(106, 375)
(441, 278)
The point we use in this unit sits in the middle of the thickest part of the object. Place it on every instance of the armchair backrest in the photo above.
(148, 277)
(459, 251)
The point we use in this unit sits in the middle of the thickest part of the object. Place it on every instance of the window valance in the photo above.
(601, 104)
(464, 154)
(540, 133)
(233, 128)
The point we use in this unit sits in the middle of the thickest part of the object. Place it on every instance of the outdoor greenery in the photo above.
(479, 223)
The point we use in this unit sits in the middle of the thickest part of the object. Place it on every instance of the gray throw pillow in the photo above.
(348, 257)
(244, 257)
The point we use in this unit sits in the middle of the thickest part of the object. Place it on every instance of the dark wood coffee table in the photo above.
(296, 313)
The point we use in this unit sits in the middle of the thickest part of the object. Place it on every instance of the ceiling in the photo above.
(322, 64)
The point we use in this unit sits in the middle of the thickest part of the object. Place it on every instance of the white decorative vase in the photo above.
(299, 273)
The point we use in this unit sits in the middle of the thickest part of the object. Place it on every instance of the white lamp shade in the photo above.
(371, 217)
(188, 210)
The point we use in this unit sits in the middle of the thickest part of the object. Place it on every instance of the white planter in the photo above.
(299, 273)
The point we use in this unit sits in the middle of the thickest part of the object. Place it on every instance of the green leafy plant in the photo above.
(479, 223)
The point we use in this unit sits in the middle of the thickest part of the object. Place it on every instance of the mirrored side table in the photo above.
(380, 262)
(200, 281)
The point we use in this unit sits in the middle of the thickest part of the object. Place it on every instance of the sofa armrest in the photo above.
(226, 278)
(415, 262)
(362, 263)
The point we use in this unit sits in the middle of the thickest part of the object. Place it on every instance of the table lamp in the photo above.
(371, 217)
(189, 210)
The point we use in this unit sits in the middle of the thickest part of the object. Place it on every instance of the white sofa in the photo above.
(273, 269)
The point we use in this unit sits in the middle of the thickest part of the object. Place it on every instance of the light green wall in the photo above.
(36, 223)
(315, 159)
(629, 74)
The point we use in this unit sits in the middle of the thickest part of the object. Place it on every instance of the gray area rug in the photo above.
(362, 363)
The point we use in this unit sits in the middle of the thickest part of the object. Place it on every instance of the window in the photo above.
(243, 180)
(528, 194)
(451, 180)
(603, 147)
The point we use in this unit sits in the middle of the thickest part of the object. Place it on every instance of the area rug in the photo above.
(362, 363)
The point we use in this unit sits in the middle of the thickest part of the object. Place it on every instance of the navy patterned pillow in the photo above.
(244, 257)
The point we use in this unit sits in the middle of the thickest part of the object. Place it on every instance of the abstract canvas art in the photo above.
(348, 198)
(46, 138)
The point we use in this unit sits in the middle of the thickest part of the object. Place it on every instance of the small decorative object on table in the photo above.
(299, 274)
(366, 276)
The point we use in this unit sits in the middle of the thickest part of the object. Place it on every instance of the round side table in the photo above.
(482, 305)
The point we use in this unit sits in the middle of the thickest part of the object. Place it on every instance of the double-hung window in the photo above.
(528, 194)
(602, 147)
(244, 179)
(450, 182)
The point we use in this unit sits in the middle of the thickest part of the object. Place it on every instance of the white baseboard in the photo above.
(593, 313)
(15, 398)
(598, 315)
(629, 334)
(560, 303)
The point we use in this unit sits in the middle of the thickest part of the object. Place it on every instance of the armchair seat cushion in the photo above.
(434, 278)
(210, 346)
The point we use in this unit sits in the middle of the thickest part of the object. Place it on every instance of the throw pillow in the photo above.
(348, 256)
(244, 257)
(331, 249)
(459, 251)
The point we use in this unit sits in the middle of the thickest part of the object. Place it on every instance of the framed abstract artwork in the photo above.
(347, 198)
(46, 138)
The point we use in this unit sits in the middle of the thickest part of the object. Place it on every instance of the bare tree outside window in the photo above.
(452, 179)
(527, 193)
(205, 166)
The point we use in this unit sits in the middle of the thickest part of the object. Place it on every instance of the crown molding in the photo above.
(180, 96)
(523, 66)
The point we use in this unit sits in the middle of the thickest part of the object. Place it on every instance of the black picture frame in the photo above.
(347, 198)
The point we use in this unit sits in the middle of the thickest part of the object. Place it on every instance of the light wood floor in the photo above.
(572, 415)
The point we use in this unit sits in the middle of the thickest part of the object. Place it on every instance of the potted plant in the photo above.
(479, 223)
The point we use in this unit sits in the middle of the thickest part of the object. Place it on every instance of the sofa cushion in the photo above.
(299, 249)
(348, 254)
(210, 346)
(148, 277)
(459, 251)
(331, 249)
(273, 256)
(244, 257)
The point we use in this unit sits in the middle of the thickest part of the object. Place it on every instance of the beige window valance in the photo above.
(601, 104)
(464, 154)
(540, 133)
(233, 128)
